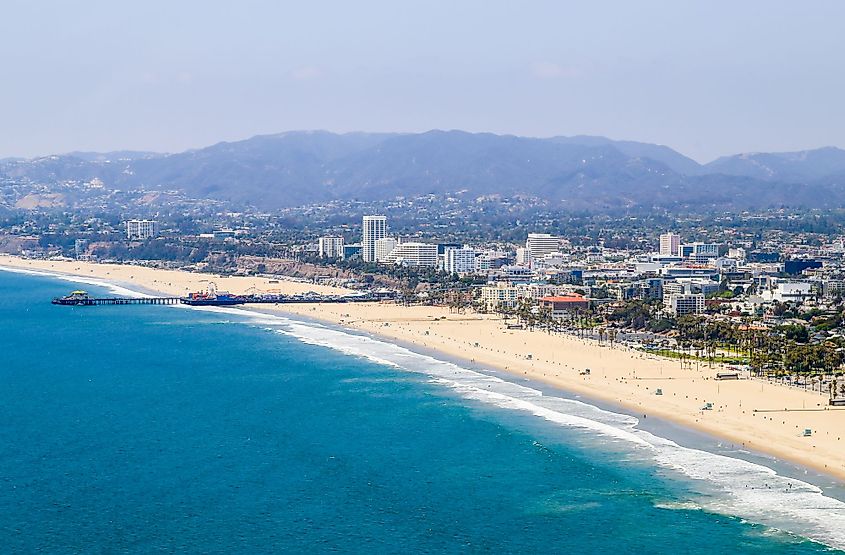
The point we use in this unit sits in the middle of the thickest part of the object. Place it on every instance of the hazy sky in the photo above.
(707, 78)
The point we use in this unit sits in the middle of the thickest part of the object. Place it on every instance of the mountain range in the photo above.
(581, 173)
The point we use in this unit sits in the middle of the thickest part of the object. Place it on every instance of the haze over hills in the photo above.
(783, 166)
(582, 172)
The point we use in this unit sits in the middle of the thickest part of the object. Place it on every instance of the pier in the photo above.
(212, 298)
(93, 301)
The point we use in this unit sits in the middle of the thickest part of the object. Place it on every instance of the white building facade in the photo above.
(789, 291)
(507, 295)
(414, 254)
(459, 261)
(541, 244)
(501, 295)
(330, 247)
(384, 247)
(374, 228)
(680, 304)
(141, 229)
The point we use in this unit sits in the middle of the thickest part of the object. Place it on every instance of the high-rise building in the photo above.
(141, 229)
(540, 244)
(414, 254)
(459, 261)
(384, 247)
(331, 247)
(374, 228)
(670, 244)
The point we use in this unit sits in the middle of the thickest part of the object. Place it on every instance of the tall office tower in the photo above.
(670, 244)
(375, 228)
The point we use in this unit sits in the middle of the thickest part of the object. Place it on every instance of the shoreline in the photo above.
(757, 441)
(687, 476)
(684, 435)
(555, 361)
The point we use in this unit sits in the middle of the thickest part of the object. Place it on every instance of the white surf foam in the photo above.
(726, 485)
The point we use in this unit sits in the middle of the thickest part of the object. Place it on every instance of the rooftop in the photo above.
(565, 299)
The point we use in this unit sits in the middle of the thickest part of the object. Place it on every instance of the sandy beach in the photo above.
(765, 417)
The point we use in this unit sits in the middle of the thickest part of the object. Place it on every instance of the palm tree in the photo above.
(524, 313)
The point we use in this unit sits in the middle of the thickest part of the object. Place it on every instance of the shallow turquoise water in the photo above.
(138, 429)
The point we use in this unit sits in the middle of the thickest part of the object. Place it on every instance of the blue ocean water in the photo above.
(151, 428)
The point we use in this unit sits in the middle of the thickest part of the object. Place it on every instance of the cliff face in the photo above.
(304, 270)
(14, 244)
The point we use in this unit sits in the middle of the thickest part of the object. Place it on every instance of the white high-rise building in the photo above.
(459, 261)
(670, 244)
(374, 228)
(540, 244)
(331, 247)
(141, 229)
(414, 254)
(384, 247)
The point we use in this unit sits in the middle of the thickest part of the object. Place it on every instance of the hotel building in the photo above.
(541, 244)
(414, 254)
(384, 247)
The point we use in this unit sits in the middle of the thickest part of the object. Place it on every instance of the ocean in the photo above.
(159, 428)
